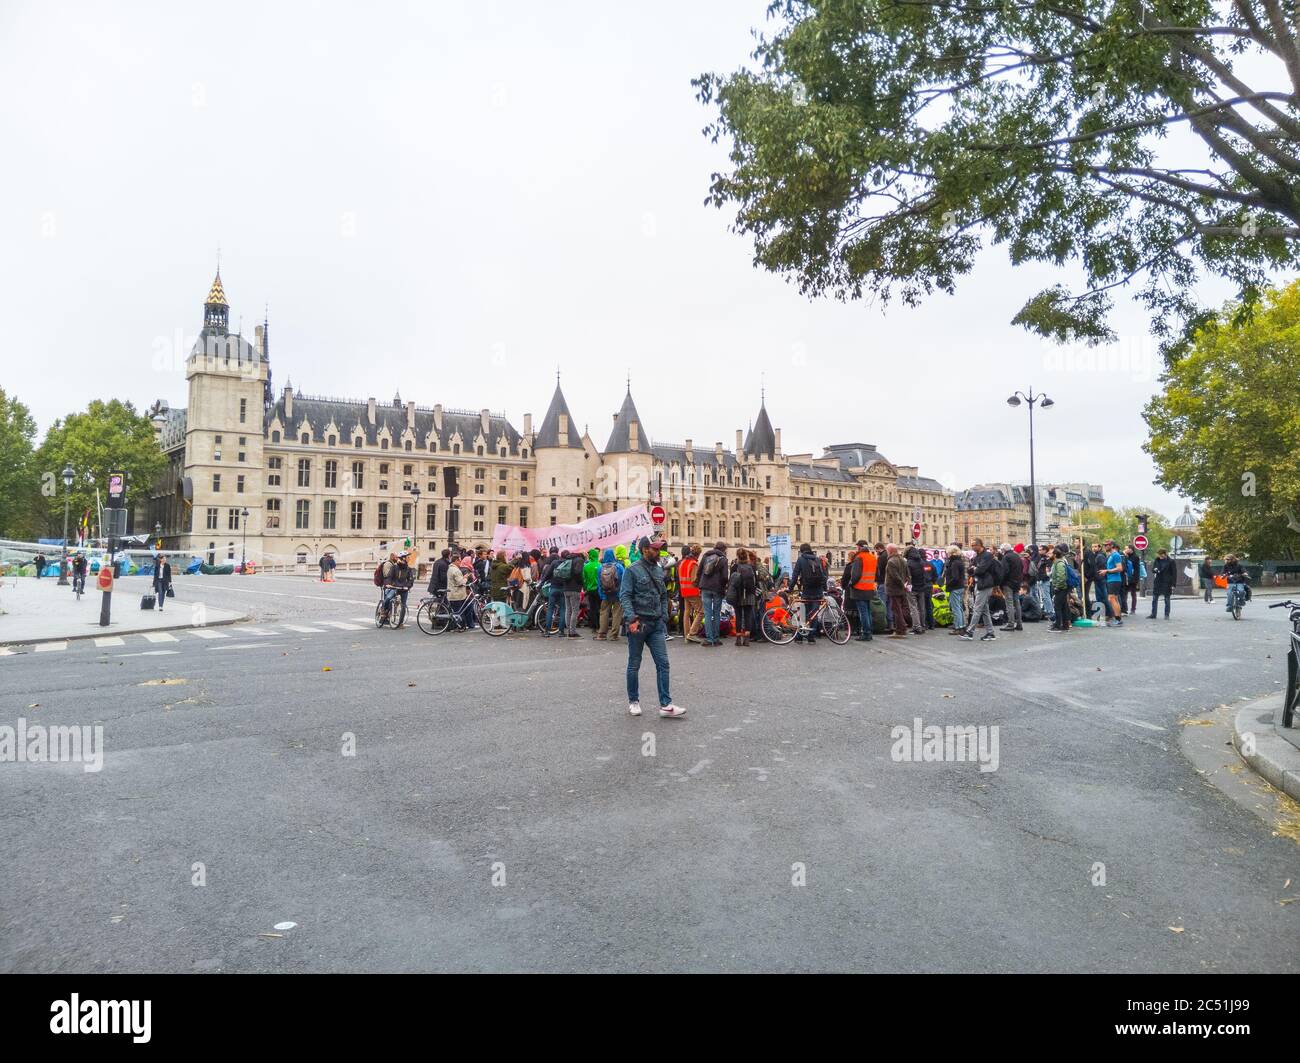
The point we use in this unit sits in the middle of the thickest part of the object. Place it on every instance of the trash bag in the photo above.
(879, 618)
(193, 567)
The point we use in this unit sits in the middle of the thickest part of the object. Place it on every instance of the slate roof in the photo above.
(761, 441)
(981, 498)
(820, 472)
(856, 455)
(347, 414)
(549, 433)
(233, 347)
(620, 438)
(919, 483)
(669, 453)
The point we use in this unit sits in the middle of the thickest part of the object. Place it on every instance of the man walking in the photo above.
(711, 577)
(984, 568)
(1162, 582)
(862, 587)
(1207, 578)
(644, 598)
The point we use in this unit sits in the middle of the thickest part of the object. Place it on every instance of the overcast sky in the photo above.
(453, 200)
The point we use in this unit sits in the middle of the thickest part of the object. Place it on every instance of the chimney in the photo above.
(258, 341)
(740, 445)
(288, 401)
(437, 417)
(528, 424)
(778, 443)
(717, 452)
(485, 421)
(564, 430)
(633, 436)
(410, 415)
(370, 409)
(690, 452)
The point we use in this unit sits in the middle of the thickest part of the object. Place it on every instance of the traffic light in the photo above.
(451, 481)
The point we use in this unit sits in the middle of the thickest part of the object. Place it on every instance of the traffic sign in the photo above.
(1139, 542)
(916, 530)
(916, 515)
(1087, 527)
(658, 515)
(1175, 543)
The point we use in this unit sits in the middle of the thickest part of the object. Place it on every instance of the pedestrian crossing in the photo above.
(201, 635)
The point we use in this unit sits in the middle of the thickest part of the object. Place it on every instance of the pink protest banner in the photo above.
(611, 529)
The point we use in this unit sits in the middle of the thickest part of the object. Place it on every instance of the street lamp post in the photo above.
(415, 513)
(67, 488)
(1033, 400)
(243, 547)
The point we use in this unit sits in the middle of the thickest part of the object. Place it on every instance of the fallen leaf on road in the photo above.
(1286, 883)
(1177, 929)
(270, 935)
(410, 684)
(1196, 723)
(162, 682)
(326, 668)
(117, 918)
(34, 705)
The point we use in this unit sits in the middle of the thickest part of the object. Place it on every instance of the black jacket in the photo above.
(809, 576)
(916, 566)
(438, 575)
(1013, 570)
(985, 570)
(574, 583)
(1163, 578)
(954, 573)
(162, 576)
(717, 580)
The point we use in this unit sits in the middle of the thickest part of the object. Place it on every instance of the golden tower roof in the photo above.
(216, 294)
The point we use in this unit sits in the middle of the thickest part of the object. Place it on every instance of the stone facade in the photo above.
(287, 477)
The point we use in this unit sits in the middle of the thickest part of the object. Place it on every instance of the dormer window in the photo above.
(275, 437)
(383, 444)
(306, 438)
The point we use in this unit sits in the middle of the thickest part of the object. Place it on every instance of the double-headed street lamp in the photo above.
(1032, 400)
(67, 489)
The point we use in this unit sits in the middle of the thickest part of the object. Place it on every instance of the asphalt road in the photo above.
(500, 812)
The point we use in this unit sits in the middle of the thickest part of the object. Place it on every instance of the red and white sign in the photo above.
(1139, 542)
(658, 515)
(916, 530)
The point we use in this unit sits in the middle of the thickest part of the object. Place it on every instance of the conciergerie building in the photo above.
(287, 476)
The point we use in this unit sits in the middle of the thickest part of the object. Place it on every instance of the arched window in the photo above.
(383, 444)
(306, 438)
(406, 445)
(275, 437)
(358, 441)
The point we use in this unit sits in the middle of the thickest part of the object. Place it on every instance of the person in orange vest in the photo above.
(692, 610)
(862, 587)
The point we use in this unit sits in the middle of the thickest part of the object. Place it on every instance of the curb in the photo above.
(1267, 753)
(101, 632)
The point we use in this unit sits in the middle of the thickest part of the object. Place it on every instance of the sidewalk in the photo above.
(1256, 733)
(34, 610)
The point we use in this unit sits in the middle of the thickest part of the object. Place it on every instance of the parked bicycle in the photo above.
(1291, 701)
(781, 623)
(496, 618)
(436, 614)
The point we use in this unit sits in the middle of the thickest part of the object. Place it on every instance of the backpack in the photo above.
(710, 565)
(561, 572)
(1071, 576)
(379, 574)
(1128, 569)
(609, 577)
(812, 575)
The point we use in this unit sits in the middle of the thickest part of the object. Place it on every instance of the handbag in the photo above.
(171, 591)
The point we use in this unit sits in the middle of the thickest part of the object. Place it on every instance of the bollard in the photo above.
(105, 585)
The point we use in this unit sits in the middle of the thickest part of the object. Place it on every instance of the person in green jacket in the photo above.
(1059, 583)
(497, 576)
(590, 586)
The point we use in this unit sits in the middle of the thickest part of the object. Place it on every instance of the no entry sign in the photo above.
(657, 514)
(916, 530)
(1139, 542)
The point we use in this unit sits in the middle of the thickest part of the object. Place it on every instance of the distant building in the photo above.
(319, 474)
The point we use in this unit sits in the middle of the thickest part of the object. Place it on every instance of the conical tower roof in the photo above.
(549, 434)
(620, 439)
(216, 294)
(761, 440)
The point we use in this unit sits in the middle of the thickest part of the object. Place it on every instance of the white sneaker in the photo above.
(672, 711)
(634, 709)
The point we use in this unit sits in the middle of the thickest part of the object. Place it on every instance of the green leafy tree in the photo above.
(21, 510)
(109, 436)
(1226, 428)
(1122, 524)
(880, 143)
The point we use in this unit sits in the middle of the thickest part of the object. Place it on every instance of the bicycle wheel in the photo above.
(495, 618)
(777, 630)
(1236, 612)
(397, 611)
(433, 617)
(381, 617)
(835, 625)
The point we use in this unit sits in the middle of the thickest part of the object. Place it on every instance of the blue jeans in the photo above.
(555, 610)
(712, 602)
(1043, 595)
(864, 617)
(653, 632)
(955, 595)
(1236, 595)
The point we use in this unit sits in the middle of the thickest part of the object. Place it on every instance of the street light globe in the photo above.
(67, 476)
(1014, 400)
(245, 513)
(1047, 402)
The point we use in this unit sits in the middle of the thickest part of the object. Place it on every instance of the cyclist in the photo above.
(1237, 579)
(457, 591)
(398, 577)
(79, 569)
(809, 578)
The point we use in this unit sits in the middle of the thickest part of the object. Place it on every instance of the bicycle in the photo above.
(436, 614)
(389, 601)
(1238, 595)
(1291, 700)
(780, 624)
(78, 584)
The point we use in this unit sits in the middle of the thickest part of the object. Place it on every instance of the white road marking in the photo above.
(46, 647)
(364, 619)
(256, 631)
(304, 630)
(699, 767)
(288, 594)
(149, 653)
(110, 640)
(160, 636)
(342, 625)
(207, 633)
(1139, 723)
